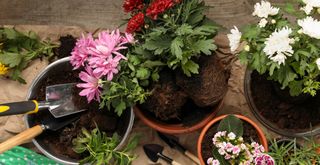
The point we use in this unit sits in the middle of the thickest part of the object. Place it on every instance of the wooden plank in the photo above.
(105, 13)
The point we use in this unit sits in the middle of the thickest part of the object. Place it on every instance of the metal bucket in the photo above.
(63, 65)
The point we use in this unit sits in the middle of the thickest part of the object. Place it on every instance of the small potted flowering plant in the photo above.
(105, 89)
(174, 60)
(283, 61)
(230, 142)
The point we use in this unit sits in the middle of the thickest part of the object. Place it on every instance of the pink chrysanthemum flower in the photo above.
(108, 44)
(81, 51)
(91, 86)
(106, 67)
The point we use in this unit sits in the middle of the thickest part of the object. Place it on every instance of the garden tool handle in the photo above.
(175, 163)
(22, 107)
(21, 138)
(192, 157)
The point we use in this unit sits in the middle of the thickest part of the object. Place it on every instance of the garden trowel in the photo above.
(154, 152)
(61, 100)
(47, 123)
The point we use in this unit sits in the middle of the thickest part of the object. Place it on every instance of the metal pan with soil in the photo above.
(57, 145)
(251, 131)
(277, 110)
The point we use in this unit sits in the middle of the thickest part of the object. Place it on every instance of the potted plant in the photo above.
(225, 133)
(174, 59)
(288, 151)
(100, 134)
(282, 78)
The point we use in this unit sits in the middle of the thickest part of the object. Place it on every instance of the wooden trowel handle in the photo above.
(21, 138)
(192, 157)
(175, 163)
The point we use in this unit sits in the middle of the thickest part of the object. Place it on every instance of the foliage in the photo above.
(176, 38)
(101, 148)
(298, 70)
(289, 152)
(17, 50)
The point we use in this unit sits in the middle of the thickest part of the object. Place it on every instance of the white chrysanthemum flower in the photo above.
(264, 9)
(278, 45)
(234, 39)
(310, 4)
(263, 22)
(310, 27)
(318, 63)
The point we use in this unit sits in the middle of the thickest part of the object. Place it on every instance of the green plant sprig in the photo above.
(19, 49)
(101, 148)
(291, 153)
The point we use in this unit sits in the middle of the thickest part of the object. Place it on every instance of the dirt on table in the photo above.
(249, 135)
(281, 109)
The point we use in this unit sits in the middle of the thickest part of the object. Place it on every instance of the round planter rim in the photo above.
(35, 142)
(264, 121)
(262, 138)
(177, 128)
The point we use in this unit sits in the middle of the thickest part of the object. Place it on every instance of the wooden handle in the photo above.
(21, 138)
(192, 157)
(175, 163)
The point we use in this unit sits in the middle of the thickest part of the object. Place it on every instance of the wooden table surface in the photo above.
(106, 13)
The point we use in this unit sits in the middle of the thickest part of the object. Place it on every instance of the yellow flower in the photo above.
(3, 69)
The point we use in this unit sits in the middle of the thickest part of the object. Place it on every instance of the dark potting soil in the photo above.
(278, 107)
(60, 142)
(67, 43)
(249, 135)
(169, 103)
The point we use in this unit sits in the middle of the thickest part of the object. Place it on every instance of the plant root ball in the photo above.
(209, 86)
(167, 98)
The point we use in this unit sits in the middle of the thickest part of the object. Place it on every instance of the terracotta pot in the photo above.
(175, 128)
(272, 126)
(263, 139)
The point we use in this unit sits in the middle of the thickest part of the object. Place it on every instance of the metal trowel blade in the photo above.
(63, 100)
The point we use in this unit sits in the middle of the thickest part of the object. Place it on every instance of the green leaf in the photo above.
(184, 29)
(190, 67)
(143, 73)
(231, 124)
(295, 87)
(10, 59)
(11, 33)
(176, 47)
(251, 32)
(120, 108)
(219, 157)
(204, 46)
(155, 76)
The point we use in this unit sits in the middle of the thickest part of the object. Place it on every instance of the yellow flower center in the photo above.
(3, 69)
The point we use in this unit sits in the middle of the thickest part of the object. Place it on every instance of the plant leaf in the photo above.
(231, 124)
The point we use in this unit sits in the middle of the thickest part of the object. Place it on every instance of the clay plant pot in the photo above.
(262, 138)
(176, 128)
(64, 66)
(297, 107)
